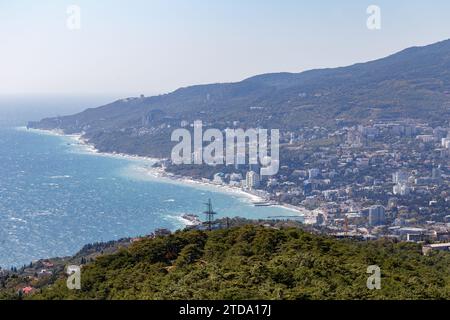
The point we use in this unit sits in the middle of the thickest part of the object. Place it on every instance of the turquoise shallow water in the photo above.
(55, 197)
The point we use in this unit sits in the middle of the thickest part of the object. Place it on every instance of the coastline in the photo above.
(76, 144)
(163, 176)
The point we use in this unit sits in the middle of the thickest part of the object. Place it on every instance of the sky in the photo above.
(156, 46)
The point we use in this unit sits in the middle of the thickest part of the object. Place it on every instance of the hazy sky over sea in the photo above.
(142, 46)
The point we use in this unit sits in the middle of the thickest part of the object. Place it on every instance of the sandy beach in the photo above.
(161, 175)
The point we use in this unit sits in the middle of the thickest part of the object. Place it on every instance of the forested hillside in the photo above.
(256, 262)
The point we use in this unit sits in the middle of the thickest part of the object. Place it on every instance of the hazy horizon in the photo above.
(155, 47)
(18, 109)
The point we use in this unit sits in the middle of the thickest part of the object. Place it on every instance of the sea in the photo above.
(56, 195)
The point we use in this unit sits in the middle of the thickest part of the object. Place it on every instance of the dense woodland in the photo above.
(256, 262)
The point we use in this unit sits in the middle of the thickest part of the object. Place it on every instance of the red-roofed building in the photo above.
(27, 290)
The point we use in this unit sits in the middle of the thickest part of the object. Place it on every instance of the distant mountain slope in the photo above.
(414, 83)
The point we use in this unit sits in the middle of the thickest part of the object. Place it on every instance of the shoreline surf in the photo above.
(161, 175)
(44, 215)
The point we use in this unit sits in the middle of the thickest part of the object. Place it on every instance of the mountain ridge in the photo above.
(412, 83)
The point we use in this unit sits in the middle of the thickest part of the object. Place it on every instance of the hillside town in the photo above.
(382, 179)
